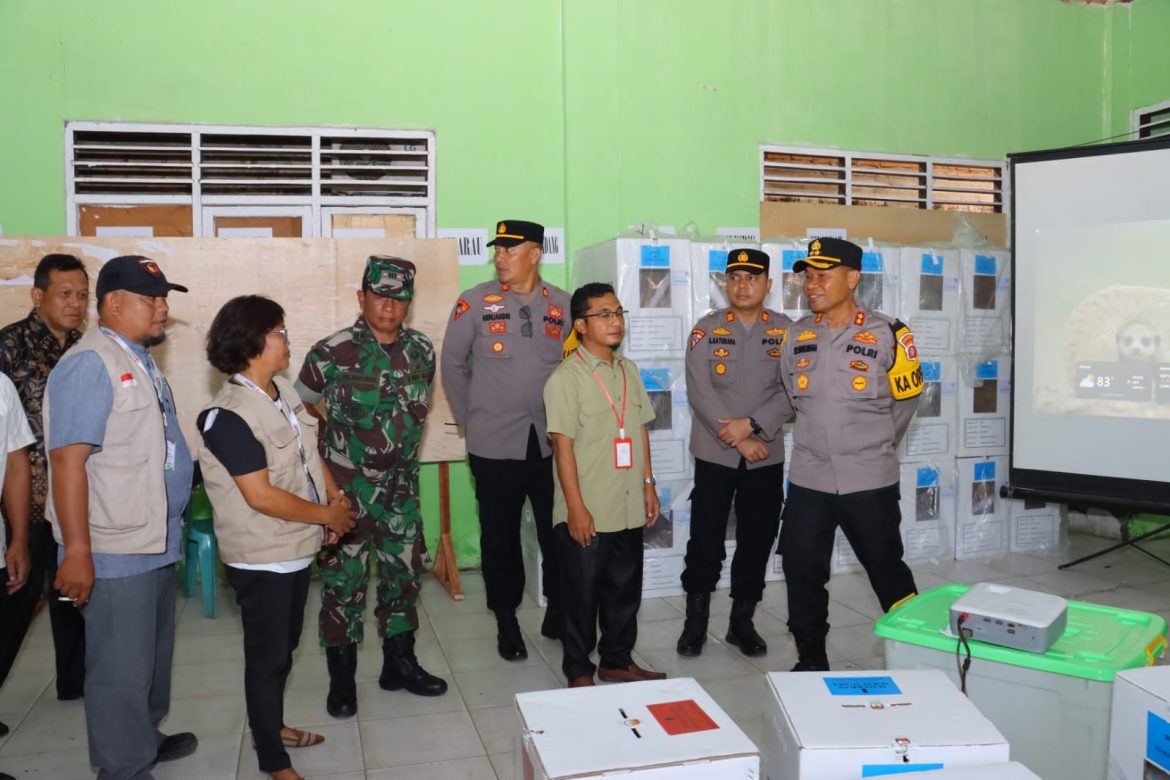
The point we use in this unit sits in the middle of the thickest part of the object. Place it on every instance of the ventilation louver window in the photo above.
(364, 166)
(129, 162)
(1152, 121)
(246, 164)
(845, 178)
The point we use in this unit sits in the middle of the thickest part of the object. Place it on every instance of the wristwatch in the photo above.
(757, 429)
(649, 481)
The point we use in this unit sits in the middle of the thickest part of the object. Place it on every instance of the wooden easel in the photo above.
(446, 571)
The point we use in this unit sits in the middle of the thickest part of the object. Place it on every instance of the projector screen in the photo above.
(1091, 307)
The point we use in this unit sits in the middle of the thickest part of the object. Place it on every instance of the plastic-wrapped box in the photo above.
(665, 543)
(709, 275)
(652, 278)
(1036, 525)
(986, 285)
(928, 509)
(933, 431)
(929, 298)
(985, 390)
(670, 430)
(790, 285)
(981, 515)
(881, 268)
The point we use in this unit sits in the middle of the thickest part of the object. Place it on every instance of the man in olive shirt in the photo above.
(597, 414)
(503, 340)
(735, 387)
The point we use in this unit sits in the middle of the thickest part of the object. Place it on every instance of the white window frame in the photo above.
(327, 213)
(316, 201)
(1135, 117)
(926, 203)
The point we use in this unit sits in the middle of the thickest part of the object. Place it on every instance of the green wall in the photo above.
(593, 114)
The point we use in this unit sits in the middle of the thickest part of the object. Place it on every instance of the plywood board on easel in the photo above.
(315, 280)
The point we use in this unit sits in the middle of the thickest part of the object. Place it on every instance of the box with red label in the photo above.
(846, 725)
(660, 729)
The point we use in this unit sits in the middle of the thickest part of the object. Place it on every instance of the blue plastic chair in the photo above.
(201, 548)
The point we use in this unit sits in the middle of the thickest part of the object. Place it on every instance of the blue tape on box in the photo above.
(931, 371)
(717, 260)
(862, 686)
(1157, 740)
(985, 471)
(655, 256)
(882, 770)
(927, 477)
(932, 265)
(985, 265)
(871, 263)
(987, 370)
(656, 378)
(789, 257)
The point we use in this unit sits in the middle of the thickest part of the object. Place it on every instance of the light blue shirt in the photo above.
(81, 399)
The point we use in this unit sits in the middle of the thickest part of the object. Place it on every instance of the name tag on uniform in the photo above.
(170, 462)
(623, 453)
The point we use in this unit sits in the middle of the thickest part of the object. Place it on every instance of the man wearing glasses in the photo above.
(735, 387)
(374, 379)
(597, 415)
(503, 341)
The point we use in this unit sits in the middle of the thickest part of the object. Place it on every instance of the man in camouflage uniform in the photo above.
(29, 349)
(374, 378)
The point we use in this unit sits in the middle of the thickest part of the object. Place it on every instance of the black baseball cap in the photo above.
(826, 253)
(751, 260)
(511, 232)
(136, 274)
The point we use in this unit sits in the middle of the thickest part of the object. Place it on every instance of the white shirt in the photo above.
(16, 435)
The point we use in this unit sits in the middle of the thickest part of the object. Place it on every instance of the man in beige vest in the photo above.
(119, 480)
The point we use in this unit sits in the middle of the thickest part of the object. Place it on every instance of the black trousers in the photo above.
(500, 488)
(16, 614)
(870, 520)
(272, 609)
(759, 496)
(599, 583)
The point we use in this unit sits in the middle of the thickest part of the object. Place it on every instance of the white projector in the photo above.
(1011, 617)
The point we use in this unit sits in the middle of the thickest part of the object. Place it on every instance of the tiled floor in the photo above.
(468, 732)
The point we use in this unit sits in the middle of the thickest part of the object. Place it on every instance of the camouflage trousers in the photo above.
(389, 524)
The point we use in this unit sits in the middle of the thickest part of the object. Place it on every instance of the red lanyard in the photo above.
(621, 418)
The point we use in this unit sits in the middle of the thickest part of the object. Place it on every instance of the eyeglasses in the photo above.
(605, 315)
(282, 332)
(526, 327)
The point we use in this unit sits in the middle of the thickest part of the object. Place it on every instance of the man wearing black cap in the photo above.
(736, 389)
(120, 477)
(503, 341)
(852, 375)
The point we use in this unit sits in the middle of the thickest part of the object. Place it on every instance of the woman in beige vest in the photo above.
(274, 507)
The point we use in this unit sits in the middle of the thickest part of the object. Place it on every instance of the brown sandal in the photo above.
(286, 774)
(295, 738)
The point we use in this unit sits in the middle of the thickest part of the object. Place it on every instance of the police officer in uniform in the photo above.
(374, 379)
(503, 341)
(853, 377)
(736, 390)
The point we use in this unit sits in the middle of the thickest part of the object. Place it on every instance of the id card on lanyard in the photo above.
(623, 446)
(290, 416)
(156, 379)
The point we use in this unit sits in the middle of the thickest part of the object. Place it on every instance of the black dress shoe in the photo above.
(176, 746)
(509, 642)
(741, 632)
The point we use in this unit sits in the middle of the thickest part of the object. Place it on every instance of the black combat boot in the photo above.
(509, 643)
(694, 633)
(342, 663)
(400, 668)
(550, 627)
(741, 632)
(812, 655)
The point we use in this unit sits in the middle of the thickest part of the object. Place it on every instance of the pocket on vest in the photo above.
(118, 497)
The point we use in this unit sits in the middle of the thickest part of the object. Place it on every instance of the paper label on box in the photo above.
(1157, 741)
(1035, 531)
(931, 334)
(979, 332)
(979, 434)
(927, 439)
(654, 334)
(862, 686)
(981, 536)
(681, 717)
(655, 256)
(922, 543)
(669, 457)
(882, 770)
